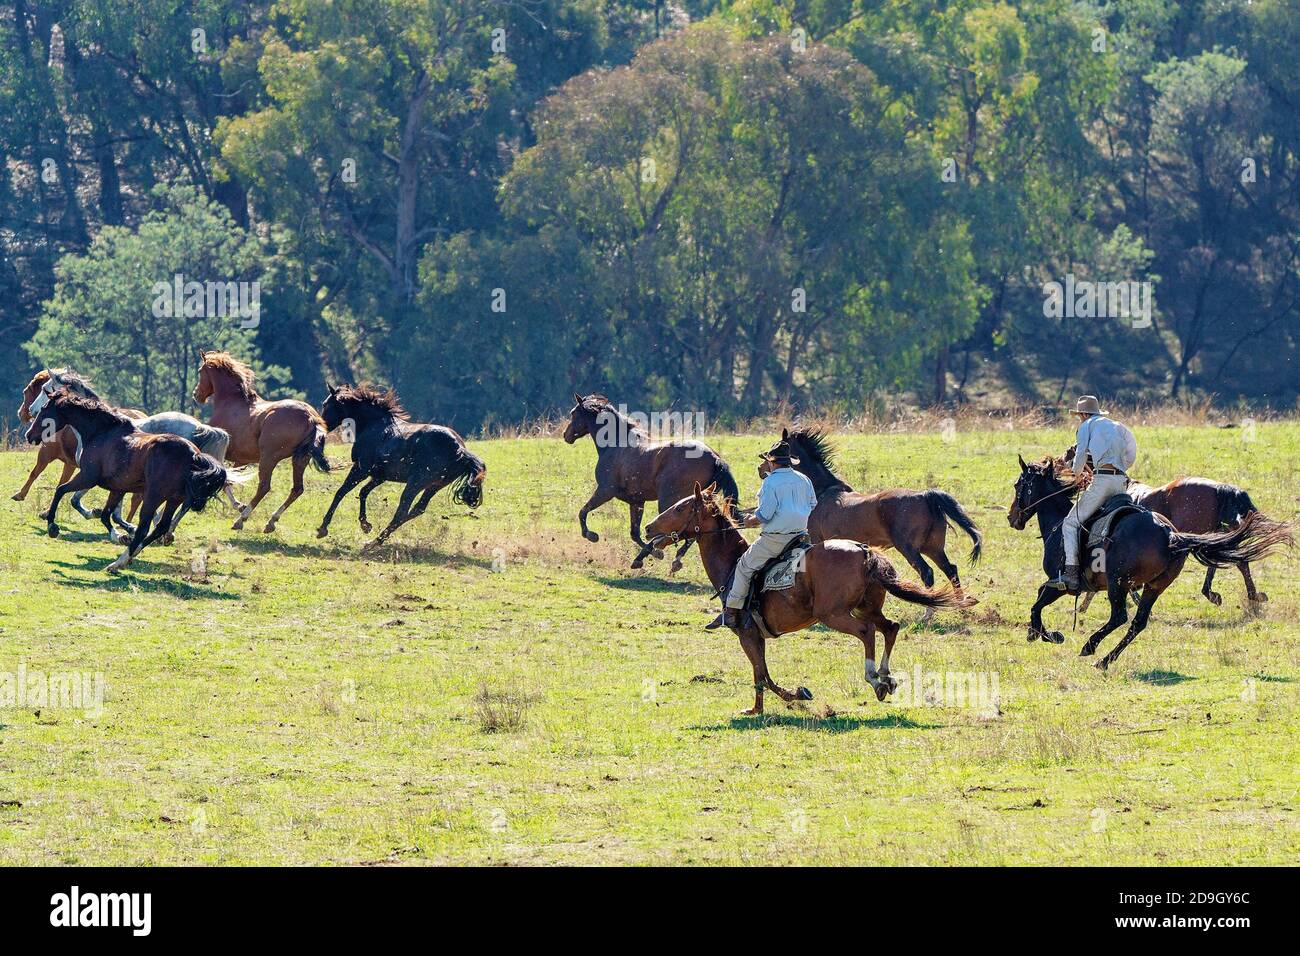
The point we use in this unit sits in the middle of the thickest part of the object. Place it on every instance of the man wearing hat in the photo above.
(1112, 450)
(785, 500)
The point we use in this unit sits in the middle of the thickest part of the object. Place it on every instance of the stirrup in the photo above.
(1058, 583)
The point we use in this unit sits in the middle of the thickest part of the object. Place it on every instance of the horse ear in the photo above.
(699, 494)
(785, 434)
(1023, 466)
(711, 489)
(577, 399)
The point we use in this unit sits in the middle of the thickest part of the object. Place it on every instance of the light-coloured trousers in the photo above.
(768, 546)
(1088, 503)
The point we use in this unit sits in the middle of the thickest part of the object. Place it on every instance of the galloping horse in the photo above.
(261, 432)
(387, 446)
(1198, 506)
(166, 469)
(842, 584)
(1146, 551)
(914, 522)
(633, 469)
(63, 446)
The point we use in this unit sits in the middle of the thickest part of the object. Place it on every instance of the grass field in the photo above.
(494, 689)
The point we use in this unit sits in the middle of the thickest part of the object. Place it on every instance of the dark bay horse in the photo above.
(387, 446)
(1198, 506)
(636, 470)
(842, 584)
(913, 522)
(168, 471)
(261, 432)
(1146, 551)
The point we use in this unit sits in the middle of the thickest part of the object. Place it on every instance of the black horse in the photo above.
(387, 446)
(1145, 551)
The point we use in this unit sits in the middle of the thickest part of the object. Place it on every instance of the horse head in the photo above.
(701, 512)
(1037, 483)
(582, 419)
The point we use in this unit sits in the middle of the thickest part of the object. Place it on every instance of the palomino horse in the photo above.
(387, 446)
(842, 584)
(1198, 506)
(1146, 551)
(167, 470)
(261, 432)
(914, 522)
(633, 469)
(63, 446)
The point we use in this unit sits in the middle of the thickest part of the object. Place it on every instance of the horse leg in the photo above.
(1214, 597)
(362, 495)
(1118, 596)
(230, 495)
(1149, 595)
(143, 532)
(170, 536)
(47, 453)
(351, 481)
(677, 558)
(400, 516)
(106, 513)
(265, 468)
(69, 469)
(125, 523)
(598, 498)
(81, 481)
(890, 630)
(754, 646)
(635, 510)
(299, 466)
(913, 557)
(1255, 597)
(87, 513)
(419, 507)
(1046, 596)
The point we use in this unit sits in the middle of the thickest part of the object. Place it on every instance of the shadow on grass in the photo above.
(134, 579)
(648, 583)
(1162, 678)
(839, 724)
(392, 552)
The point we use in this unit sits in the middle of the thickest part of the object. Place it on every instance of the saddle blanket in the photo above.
(780, 573)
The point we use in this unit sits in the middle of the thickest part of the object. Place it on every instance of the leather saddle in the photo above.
(1095, 535)
(777, 575)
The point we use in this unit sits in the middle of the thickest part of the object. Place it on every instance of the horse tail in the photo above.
(314, 445)
(1255, 538)
(945, 508)
(726, 481)
(1234, 505)
(206, 479)
(217, 443)
(880, 570)
(467, 488)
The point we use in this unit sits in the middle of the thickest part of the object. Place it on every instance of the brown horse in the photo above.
(842, 584)
(1197, 506)
(914, 522)
(261, 432)
(1145, 551)
(63, 447)
(633, 469)
(169, 471)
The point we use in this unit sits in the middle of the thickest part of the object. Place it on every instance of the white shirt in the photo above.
(785, 500)
(1111, 444)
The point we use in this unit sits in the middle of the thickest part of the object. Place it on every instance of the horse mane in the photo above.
(75, 383)
(1060, 470)
(65, 398)
(816, 444)
(720, 505)
(384, 401)
(242, 374)
(597, 403)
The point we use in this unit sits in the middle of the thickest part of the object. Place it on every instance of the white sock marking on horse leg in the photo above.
(869, 671)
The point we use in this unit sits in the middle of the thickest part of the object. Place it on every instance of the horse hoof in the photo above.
(238, 525)
(591, 536)
(802, 693)
(1087, 651)
(44, 515)
(1032, 635)
(270, 526)
(322, 532)
(169, 539)
(638, 564)
(52, 531)
(1102, 664)
(891, 683)
(17, 496)
(1215, 598)
(674, 567)
(882, 691)
(1260, 597)
(752, 712)
(367, 527)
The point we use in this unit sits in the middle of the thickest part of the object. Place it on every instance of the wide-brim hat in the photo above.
(779, 451)
(1088, 405)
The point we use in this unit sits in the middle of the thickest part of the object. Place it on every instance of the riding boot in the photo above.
(1067, 580)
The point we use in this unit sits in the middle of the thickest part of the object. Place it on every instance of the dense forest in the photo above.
(703, 205)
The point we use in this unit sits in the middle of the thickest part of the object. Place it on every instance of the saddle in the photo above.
(1095, 535)
(777, 575)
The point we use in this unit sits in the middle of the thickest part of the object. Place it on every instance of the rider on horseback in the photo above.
(785, 500)
(1112, 450)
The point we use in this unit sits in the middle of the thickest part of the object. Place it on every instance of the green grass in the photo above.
(494, 689)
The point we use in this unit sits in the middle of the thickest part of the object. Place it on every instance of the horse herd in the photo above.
(176, 463)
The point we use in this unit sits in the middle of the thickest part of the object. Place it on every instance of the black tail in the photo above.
(945, 508)
(314, 446)
(879, 569)
(467, 488)
(726, 482)
(1255, 538)
(1234, 505)
(204, 482)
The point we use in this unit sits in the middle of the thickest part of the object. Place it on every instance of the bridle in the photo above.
(1027, 509)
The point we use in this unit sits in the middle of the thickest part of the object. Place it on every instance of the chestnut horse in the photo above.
(261, 432)
(633, 469)
(387, 446)
(1198, 506)
(166, 469)
(63, 447)
(841, 584)
(1145, 552)
(914, 522)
